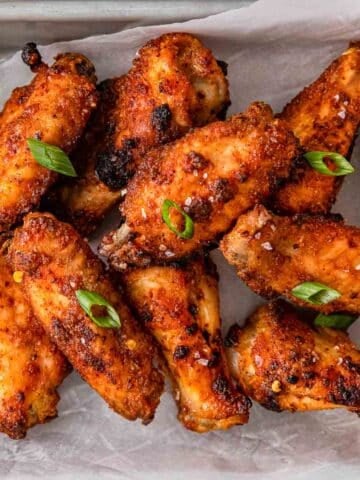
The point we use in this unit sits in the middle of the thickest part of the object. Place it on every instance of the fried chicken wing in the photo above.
(275, 254)
(285, 364)
(175, 84)
(54, 108)
(325, 116)
(31, 367)
(117, 363)
(180, 306)
(214, 174)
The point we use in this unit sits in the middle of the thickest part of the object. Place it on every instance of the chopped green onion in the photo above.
(315, 293)
(336, 320)
(51, 157)
(188, 231)
(316, 161)
(88, 299)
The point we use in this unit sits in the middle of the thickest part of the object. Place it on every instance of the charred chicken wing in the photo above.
(275, 255)
(31, 367)
(180, 306)
(54, 108)
(325, 117)
(117, 363)
(175, 84)
(213, 174)
(285, 364)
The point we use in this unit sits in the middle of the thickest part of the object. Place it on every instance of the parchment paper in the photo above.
(274, 48)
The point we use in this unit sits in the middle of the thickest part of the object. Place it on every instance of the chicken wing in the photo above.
(273, 255)
(117, 363)
(180, 306)
(213, 174)
(175, 84)
(54, 108)
(31, 367)
(325, 116)
(285, 364)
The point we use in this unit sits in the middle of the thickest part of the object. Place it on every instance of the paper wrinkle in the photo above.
(274, 49)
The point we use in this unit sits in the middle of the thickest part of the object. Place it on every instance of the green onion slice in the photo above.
(316, 161)
(88, 299)
(51, 157)
(336, 320)
(188, 231)
(315, 293)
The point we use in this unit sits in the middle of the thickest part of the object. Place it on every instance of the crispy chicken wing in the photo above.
(285, 364)
(214, 174)
(117, 363)
(325, 116)
(31, 367)
(175, 84)
(54, 108)
(275, 254)
(180, 307)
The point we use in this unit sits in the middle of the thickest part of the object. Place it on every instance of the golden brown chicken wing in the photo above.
(285, 364)
(54, 108)
(175, 84)
(180, 306)
(117, 363)
(273, 255)
(213, 175)
(31, 367)
(325, 116)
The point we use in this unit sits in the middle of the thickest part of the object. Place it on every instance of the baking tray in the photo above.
(51, 21)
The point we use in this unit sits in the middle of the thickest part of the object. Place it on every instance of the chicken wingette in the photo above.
(117, 362)
(283, 255)
(325, 116)
(212, 175)
(284, 363)
(179, 305)
(175, 84)
(54, 108)
(31, 367)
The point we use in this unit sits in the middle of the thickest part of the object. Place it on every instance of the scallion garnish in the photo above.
(51, 157)
(336, 320)
(316, 161)
(188, 231)
(87, 300)
(315, 293)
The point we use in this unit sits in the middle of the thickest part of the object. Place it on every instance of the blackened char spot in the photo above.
(181, 351)
(232, 338)
(221, 385)
(193, 309)
(214, 359)
(161, 117)
(195, 161)
(85, 68)
(192, 329)
(224, 66)
(114, 167)
(200, 210)
(30, 55)
(222, 190)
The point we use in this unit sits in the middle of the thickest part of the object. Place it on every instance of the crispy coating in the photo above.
(117, 363)
(54, 108)
(285, 364)
(175, 84)
(180, 306)
(325, 116)
(31, 367)
(214, 174)
(275, 254)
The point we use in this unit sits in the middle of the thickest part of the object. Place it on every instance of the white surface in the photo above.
(273, 49)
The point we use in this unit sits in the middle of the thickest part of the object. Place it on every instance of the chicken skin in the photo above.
(175, 84)
(116, 362)
(285, 364)
(31, 367)
(325, 116)
(180, 306)
(213, 174)
(273, 255)
(54, 108)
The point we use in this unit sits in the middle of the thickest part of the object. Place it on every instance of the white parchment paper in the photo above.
(274, 48)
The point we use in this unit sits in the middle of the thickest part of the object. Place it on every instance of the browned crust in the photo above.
(313, 368)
